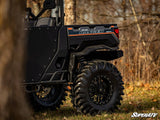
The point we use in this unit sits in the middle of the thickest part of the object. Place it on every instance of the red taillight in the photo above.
(117, 32)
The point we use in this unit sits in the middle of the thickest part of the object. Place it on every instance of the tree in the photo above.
(37, 6)
(12, 101)
(70, 12)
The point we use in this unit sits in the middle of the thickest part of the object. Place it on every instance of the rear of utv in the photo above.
(74, 58)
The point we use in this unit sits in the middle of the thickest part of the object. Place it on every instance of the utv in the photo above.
(74, 58)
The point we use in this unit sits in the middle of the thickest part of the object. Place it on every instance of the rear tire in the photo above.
(98, 88)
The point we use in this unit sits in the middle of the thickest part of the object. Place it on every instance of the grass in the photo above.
(139, 97)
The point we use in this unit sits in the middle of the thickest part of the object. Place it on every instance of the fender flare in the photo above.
(92, 53)
(90, 49)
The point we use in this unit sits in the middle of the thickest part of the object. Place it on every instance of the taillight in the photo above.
(117, 32)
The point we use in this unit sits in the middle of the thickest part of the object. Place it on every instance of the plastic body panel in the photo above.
(41, 46)
(80, 37)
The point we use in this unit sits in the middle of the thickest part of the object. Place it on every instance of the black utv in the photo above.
(75, 58)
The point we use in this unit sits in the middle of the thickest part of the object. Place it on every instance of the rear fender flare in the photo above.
(91, 53)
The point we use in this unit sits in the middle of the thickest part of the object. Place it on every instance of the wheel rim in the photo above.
(100, 89)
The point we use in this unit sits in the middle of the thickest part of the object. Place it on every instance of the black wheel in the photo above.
(48, 98)
(98, 88)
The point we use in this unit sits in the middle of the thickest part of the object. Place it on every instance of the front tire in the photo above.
(48, 98)
(98, 88)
